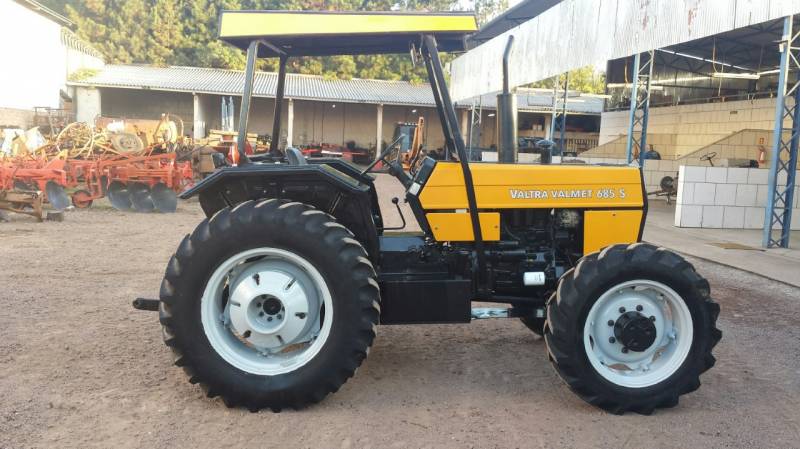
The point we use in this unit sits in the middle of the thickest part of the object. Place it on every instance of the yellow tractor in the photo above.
(274, 300)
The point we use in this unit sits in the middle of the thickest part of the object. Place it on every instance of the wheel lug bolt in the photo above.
(612, 340)
(622, 310)
(639, 308)
(280, 316)
(260, 313)
(624, 350)
(652, 318)
(610, 322)
(269, 318)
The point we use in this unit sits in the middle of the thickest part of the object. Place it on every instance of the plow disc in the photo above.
(164, 198)
(119, 196)
(140, 197)
(56, 195)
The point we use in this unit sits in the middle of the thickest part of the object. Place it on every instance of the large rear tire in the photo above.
(632, 328)
(269, 305)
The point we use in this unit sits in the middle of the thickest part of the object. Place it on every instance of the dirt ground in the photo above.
(80, 368)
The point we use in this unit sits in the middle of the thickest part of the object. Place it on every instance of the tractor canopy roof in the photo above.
(317, 33)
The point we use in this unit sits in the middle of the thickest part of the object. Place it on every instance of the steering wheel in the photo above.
(382, 157)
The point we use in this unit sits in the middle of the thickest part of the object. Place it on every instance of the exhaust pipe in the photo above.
(507, 147)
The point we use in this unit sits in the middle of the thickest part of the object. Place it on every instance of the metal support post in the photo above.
(276, 124)
(452, 134)
(378, 130)
(785, 138)
(558, 121)
(247, 95)
(640, 105)
(475, 124)
(290, 123)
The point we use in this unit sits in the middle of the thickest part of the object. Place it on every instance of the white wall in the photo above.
(729, 198)
(33, 58)
(87, 104)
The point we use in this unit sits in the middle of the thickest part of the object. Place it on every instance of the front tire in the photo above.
(269, 305)
(632, 328)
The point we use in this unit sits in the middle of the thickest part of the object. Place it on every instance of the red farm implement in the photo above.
(95, 163)
(144, 183)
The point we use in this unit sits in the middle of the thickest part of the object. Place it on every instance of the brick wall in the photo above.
(729, 198)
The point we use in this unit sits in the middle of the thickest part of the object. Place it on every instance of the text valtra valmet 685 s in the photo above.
(274, 300)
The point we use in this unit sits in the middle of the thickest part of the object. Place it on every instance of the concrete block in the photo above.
(648, 177)
(757, 176)
(725, 195)
(704, 193)
(691, 216)
(733, 217)
(712, 216)
(753, 217)
(737, 175)
(746, 195)
(761, 195)
(717, 175)
(685, 193)
(694, 174)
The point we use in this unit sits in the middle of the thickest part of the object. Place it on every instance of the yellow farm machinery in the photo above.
(274, 300)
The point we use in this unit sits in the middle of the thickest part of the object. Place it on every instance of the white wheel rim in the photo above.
(262, 311)
(673, 340)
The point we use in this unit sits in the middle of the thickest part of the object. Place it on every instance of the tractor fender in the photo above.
(327, 187)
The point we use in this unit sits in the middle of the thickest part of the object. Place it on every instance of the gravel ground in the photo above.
(80, 368)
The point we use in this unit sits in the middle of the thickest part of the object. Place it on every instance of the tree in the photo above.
(184, 32)
(486, 10)
(586, 80)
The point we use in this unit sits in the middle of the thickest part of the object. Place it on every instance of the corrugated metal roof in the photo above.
(231, 82)
(306, 87)
(577, 33)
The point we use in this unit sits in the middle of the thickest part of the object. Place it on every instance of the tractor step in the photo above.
(482, 313)
(146, 304)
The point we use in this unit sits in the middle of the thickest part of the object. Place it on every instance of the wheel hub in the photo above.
(635, 331)
(638, 333)
(268, 307)
(271, 305)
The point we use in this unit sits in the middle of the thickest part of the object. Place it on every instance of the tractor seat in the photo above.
(295, 157)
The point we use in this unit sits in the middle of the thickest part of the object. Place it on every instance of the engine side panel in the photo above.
(606, 227)
(611, 198)
(457, 227)
(521, 186)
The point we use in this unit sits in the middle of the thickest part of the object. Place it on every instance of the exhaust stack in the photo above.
(507, 147)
